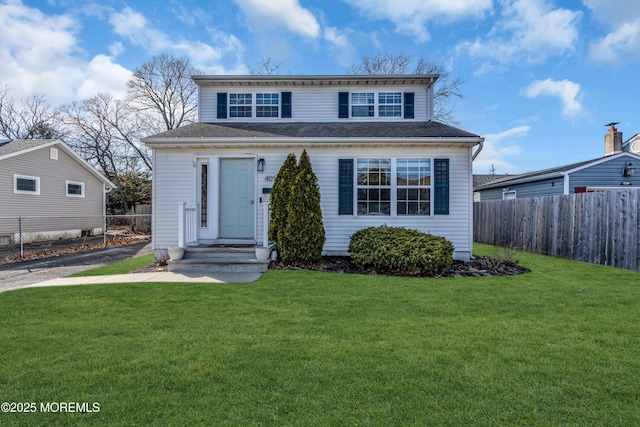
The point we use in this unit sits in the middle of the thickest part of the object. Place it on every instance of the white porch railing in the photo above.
(187, 224)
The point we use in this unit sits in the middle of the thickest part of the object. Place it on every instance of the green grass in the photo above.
(122, 267)
(559, 346)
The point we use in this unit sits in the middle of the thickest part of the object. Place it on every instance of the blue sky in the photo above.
(542, 76)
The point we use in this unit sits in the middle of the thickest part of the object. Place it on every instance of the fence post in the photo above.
(20, 233)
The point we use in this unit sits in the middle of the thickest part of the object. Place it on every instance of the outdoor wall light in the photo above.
(629, 170)
(260, 165)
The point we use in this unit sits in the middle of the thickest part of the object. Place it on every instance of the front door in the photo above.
(237, 198)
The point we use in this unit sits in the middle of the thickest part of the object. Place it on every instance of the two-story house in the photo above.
(378, 155)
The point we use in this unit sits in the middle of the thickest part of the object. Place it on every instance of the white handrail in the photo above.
(187, 224)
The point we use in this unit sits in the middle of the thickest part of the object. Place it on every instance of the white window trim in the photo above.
(66, 188)
(394, 188)
(376, 105)
(53, 153)
(505, 192)
(34, 178)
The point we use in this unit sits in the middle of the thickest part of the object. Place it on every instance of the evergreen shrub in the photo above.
(398, 250)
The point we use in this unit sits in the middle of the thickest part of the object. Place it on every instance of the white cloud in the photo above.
(104, 75)
(529, 30)
(497, 148)
(223, 56)
(40, 55)
(622, 44)
(565, 90)
(340, 42)
(265, 14)
(411, 16)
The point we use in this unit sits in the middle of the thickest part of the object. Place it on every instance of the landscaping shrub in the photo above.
(296, 219)
(280, 193)
(399, 250)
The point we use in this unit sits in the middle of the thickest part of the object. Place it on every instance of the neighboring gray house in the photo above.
(615, 171)
(46, 178)
(378, 155)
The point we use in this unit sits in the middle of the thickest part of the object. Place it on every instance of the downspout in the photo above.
(478, 150)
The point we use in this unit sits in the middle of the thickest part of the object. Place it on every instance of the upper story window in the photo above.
(248, 105)
(389, 104)
(23, 184)
(267, 104)
(240, 104)
(375, 104)
(362, 104)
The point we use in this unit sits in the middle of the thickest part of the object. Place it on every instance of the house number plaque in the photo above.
(270, 178)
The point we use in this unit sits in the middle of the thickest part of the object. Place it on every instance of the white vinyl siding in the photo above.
(310, 103)
(173, 185)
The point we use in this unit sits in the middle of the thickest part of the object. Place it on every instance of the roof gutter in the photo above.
(316, 141)
(478, 150)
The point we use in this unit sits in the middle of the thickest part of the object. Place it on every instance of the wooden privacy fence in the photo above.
(600, 227)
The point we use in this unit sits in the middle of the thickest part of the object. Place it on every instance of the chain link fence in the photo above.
(25, 236)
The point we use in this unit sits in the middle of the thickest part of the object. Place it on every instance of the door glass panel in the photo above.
(204, 184)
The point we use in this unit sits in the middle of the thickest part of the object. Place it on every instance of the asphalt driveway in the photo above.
(20, 274)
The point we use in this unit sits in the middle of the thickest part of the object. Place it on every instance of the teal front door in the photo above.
(237, 199)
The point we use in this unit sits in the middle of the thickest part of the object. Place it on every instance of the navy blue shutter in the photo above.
(345, 187)
(408, 105)
(222, 105)
(343, 105)
(441, 196)
(286, 105)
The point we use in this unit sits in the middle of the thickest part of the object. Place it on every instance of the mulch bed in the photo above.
(480, 266)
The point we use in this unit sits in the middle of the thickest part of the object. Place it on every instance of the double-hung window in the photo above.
(374, 186)
(267, 104)
(389, 104)
(413, 186)
(240, 104)
(23, 184)
(417, 186)
(362, 104)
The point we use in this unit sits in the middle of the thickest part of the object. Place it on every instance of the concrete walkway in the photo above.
(149, 277)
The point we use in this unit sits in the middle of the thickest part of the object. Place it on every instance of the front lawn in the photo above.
(559, 346)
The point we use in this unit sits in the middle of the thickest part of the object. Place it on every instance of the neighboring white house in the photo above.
(378, 155)
(46, 178)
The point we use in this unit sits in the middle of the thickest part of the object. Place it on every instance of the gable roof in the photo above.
(22, 146)
(556, 172)
(246, 133)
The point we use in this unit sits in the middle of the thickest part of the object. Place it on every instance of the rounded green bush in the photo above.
(398, 250)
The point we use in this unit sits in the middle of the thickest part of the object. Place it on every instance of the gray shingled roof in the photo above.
(532, 175)
(480, 179)
(20, 145)
(317, 130)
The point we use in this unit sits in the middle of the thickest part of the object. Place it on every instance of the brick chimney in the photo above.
(612, 140)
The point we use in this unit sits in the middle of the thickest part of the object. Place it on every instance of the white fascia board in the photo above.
(309, 142)
(347, 79)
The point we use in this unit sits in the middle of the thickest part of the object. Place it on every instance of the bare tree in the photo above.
(163, 93)
(31, 118)
(265, 67)
(446, 87)
(104, 129)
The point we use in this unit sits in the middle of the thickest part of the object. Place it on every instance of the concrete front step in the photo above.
(203, 260)
(213, 253)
